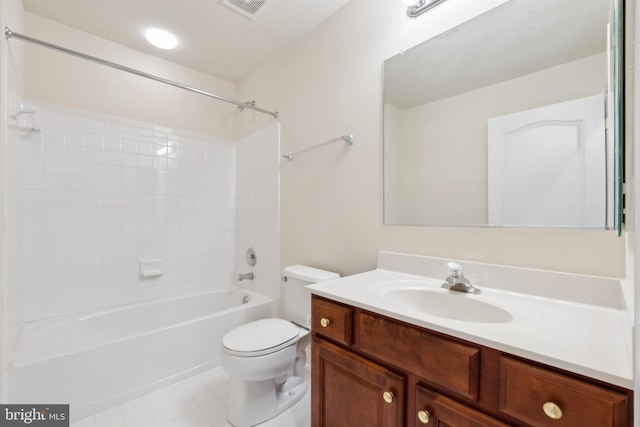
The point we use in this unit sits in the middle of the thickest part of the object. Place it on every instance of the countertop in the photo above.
(587, 339)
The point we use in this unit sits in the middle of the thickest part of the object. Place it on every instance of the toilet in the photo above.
(265, 359)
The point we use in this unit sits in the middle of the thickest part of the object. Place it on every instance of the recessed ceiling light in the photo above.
(161, 38)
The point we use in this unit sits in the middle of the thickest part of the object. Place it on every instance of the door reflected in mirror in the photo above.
(501, 121)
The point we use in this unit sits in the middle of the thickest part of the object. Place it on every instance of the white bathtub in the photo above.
(99, 360)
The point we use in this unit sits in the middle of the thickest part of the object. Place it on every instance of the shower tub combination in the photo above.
(99, 360)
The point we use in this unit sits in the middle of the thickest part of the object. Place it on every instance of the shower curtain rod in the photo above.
(241, 105)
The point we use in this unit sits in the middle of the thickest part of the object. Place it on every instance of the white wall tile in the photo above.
(90, 195)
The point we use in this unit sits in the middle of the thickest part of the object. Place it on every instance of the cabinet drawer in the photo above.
(541, 397)
(448, 363)
(331, 320)
(437, 410)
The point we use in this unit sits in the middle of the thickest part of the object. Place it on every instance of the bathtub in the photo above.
(98, 360)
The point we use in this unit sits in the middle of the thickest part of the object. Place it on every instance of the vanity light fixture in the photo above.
(161, 38)
(417, 8)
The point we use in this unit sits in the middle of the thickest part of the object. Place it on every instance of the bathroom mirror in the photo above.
(501, 120)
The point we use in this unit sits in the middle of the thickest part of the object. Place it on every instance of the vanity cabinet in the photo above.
(371, 370)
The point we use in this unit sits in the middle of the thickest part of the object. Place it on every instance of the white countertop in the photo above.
(587, 339)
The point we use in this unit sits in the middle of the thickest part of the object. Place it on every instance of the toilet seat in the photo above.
(260, 337)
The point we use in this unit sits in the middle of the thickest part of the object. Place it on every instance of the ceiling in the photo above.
(517, 38)
(212, 38)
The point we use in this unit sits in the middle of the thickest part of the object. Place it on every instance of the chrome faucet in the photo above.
(245, 276)
(457, 281)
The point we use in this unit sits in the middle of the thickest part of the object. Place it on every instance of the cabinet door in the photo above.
(434, 409)
(348, 390)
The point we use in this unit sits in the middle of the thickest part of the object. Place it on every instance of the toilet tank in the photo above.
(297, 298)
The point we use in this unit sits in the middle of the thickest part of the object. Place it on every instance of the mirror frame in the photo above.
(617, 46)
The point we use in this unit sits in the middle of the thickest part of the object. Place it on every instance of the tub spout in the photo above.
(245, 276)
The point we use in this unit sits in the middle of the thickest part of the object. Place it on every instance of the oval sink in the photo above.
(447, 304)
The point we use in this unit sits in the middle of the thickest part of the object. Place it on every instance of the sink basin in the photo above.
(443, 303)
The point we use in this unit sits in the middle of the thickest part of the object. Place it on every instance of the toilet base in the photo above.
(254, 402)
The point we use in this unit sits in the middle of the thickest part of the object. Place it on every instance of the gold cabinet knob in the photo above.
(324, 322)
(388, 396)
(552, 410)
(424, 416)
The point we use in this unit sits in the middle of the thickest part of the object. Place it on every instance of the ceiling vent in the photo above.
(247, 8)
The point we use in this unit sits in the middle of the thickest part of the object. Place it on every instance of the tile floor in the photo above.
(197, 401)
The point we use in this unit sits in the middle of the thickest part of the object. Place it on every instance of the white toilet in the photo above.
(265, 358)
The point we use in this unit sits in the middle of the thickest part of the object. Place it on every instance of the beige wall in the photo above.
(60, 79)
(327, 84)
(330, 83)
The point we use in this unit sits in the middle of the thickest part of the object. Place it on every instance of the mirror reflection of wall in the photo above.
(440, 96)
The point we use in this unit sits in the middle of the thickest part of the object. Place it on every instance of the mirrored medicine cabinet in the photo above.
(514, 118)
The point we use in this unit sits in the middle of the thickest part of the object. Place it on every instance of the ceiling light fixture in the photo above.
(417, 8)
(160, 38)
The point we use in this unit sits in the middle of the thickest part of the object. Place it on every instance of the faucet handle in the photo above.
(454, 268)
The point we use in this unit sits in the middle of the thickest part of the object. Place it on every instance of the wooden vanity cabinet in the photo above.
(370, 370)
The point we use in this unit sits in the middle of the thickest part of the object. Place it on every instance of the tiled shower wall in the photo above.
(90, 196)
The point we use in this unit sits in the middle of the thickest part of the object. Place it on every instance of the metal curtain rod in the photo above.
(346, 138)
(241, 105)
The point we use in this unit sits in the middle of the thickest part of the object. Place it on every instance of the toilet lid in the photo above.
(260, 335)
